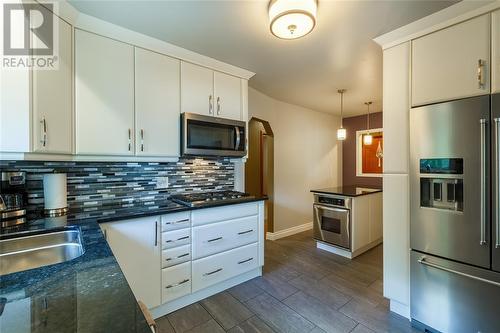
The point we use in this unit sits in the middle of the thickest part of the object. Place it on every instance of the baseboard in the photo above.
(178, 303)
(288, 232)
(346, 253)
(400, 308)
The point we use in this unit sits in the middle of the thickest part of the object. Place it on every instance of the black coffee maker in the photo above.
(13, 198)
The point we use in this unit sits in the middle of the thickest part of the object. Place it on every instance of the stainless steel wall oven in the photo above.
(332, 220)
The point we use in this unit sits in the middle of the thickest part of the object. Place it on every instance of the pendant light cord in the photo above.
(368, 116)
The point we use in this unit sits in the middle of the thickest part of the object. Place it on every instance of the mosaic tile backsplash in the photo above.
(105, 188)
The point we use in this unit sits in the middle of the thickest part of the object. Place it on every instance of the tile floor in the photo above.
(303, 289)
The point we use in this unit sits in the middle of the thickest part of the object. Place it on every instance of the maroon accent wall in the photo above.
(352, 125)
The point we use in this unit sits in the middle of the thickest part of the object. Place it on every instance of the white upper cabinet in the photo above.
(104, 92)
(197, 94)
(396, 87)
(227, 93)
(136, 245)
(209, 92)
(452, 63)
(495, 39)
(52, 99)
(157, 104)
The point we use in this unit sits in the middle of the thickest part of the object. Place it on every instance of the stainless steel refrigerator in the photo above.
(454, 215)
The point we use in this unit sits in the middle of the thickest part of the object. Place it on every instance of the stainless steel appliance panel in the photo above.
(332, 224)
(453, 297)
(495, 121)
(453, 130)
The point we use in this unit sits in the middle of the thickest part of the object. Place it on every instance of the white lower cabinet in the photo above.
(165, 253)
(177, 255)
(135, 244)
(222, 236)
(219, 267)
(176, 282)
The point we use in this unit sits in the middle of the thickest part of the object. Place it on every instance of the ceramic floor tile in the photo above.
(189, 317)
(210, 326)
(226, 309)
(278, 316)
(245, 291)
(320, 314)
(252, 325)
(322, 290)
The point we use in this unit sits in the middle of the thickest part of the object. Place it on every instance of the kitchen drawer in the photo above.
(225, 265)
(216, 214)
(175, 238)
(176, 255)
(176, 281)
(222, 236)
(175, 221)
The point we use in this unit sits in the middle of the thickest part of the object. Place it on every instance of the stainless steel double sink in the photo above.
(35, 250)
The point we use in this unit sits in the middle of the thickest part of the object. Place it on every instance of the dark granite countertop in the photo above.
(86, 294)
(348, 191)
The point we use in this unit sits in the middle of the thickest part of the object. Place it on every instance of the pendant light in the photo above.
(368, 138)
(291, 19)
(341, 132)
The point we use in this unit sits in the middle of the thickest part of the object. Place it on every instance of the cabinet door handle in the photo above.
(177, 284)
(218, 105)
(105, 234)
(214, 239)
(129, 139)
(210, 105)
(43, 141)
(156, 233)
(177, 222)
(142, 140)
(178, 239)
(245, 232)
(480, 73)
(244, 261)
(213, 272)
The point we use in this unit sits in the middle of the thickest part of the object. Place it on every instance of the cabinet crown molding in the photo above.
(454, 14)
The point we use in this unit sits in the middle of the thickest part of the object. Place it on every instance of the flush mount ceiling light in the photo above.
(341, 132)
(368, 138)
(291, 19)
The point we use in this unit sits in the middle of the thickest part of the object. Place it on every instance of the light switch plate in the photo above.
(162, 182)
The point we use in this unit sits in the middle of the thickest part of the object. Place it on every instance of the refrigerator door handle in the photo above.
(483, 181)
(497, 181)
(423, 261)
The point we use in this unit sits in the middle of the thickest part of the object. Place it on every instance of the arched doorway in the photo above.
(259, 168)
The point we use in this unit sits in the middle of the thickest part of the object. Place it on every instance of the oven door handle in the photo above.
(332, 209)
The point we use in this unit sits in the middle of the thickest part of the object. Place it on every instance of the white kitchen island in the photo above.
(347, 219)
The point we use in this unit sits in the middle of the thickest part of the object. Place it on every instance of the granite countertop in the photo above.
(348, 191)
(86, 294)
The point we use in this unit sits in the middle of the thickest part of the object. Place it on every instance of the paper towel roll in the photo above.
(54, 191)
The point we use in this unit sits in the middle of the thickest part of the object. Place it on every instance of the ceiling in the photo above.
(339, 53)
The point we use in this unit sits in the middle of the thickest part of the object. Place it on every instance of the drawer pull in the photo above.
(244, 261)
(214, 239)
(212, 272)
(175, 240)
(176, 284)
(177, 222)
(182, 255)
(245, 232)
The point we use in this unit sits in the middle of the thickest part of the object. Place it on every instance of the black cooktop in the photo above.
(210, 198)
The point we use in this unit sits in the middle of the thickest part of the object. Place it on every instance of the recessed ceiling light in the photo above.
(291, 19)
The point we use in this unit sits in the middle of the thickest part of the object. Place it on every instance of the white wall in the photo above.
(306, 156)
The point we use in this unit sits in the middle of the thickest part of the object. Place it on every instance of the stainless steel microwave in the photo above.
(212, 136)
